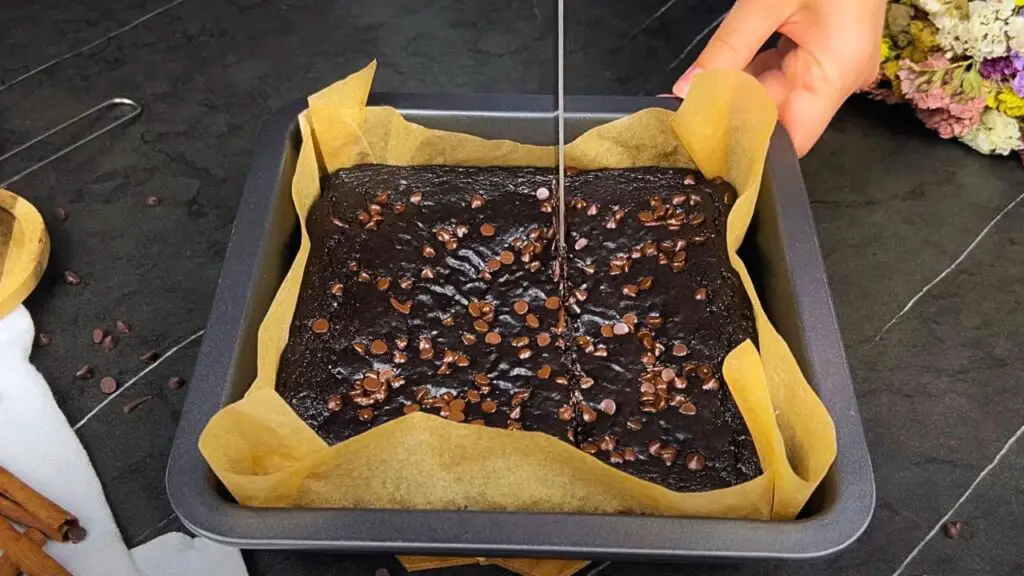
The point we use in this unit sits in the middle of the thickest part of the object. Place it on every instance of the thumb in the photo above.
(745, 29)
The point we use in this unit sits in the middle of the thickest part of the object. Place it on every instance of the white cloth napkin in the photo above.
(38, 445)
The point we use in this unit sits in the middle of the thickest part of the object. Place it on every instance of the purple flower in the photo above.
(996, 68)
(1018, 84)
(1018, 61)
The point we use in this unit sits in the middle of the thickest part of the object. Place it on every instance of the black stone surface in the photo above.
(895, 208)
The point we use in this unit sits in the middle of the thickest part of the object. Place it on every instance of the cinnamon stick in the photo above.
(26, 554)
(16, 513)
(50, 518)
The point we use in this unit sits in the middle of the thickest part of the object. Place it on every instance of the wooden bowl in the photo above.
(24, 250)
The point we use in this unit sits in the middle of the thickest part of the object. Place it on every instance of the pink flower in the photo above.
(949, 114)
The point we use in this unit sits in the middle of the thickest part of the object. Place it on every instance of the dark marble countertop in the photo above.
(923, 239)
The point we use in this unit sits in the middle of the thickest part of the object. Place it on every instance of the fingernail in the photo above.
(682, 86)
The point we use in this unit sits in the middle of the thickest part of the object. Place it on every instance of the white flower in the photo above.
(898, 22)
(982, 35)
(997, 133)
(1015, 32)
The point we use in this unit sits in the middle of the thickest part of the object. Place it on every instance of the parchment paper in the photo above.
(267, 456)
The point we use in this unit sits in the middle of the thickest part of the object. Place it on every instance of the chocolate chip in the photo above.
(580, 244)
(152, 201)
(337, 288)
(481, 379)
(565, 413)
(488, 406)
(477, 201)
(654, 448)
(680, 350)
(668, 455)
(108, 385)
(61, 214)
(506, 257)
(122, 327)
(175, 382)
(320, 326)
(729, 198)
(634, 424)
(608, 330)
(589, 447)
(492, 338)
(334, 403)
(481, 326)
(98, 334)
(543, 194)
(620, 328)
(532, 321)
(71, 279)
(695, 461)
(645, 283)
(552, 302)
(701, 294)
(630, 290)
(109, 343)
(428, 251)
(416, 197)
(952, 529)
(488, 229)
(493, 265)
(131, 406)
(84, 373)
(360, 348)
(588, 413)
(688, 409)
(524, 353)
(711, 384)
(365, 414)
(378, 347)
(520, 341)
(607, 406)
(668, 374)
(543, 339)
(456, 416)
(607, 443)
(520, 307)
(468, 339)
(364, 276)
(383, 283)
(427, 273)
(403, 307)
(473, 396)
(448, 321)
(586, 382)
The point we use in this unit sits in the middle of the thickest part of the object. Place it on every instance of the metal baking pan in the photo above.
(785, 261)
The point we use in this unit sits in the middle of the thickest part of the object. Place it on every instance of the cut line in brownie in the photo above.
(443, 289)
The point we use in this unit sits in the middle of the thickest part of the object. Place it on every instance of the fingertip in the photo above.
(682, 86)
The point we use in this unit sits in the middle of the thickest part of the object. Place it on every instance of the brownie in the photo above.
(407, 302)
(657, 308)
(444, 289)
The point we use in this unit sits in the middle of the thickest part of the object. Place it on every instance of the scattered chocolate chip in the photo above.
(364, 276)
(607, 443)
(71, 279)
(43, 340)
(645, 283)
(175, 382)
(668, 455)
(634, 424)
(149, 357)
(543, 194)
(695, 461)
(383, 283)
(688, 409)
(487, 229)
(488, 406)
(952, 529)
(403, 307)
(492, 338)
(428, 251)
(108, 385)
(620, 328)
(607, 406)
(153, 201)
(61, 214)
(520, 307)
(122, 327)
(416, 197)
(630, 290)
(481, 379)
(506, 257)
(131, 406)
(543, 339)
(365, 414)
(580, 244)
(477, 201)
(588, 413)
(668, 374)
(98, 334)
(320, 326)
(427, 273)
(552, 302)
(84, 373)
(654, 447)
(532, 321)
(109, 343)
(711, 384)
(701, 294)
(565, 413)
(334, 403)
(378, 347)
(680, 350)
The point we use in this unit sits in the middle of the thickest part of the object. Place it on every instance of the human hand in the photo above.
(830, 49)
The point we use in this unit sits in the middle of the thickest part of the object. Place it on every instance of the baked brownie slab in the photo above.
(428, 288)
(657, 307)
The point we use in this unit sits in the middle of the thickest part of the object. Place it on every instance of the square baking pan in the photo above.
(781, 251)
